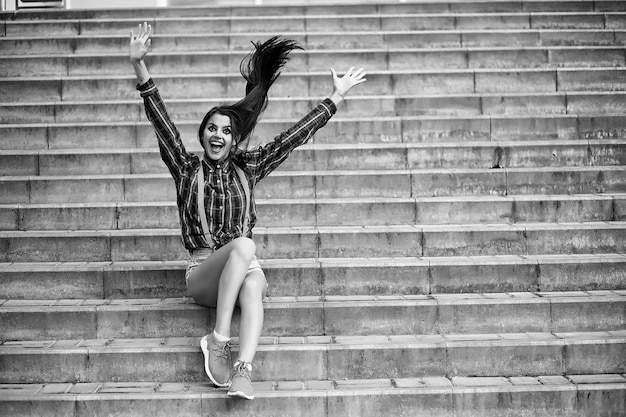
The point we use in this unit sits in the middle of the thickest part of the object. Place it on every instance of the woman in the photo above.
(215, 197)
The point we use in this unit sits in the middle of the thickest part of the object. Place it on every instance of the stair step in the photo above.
(310, 242)
(326, 184)
(461, 105)
(115, 44)
(329, 315)
(350, 357)
(372, 59)
(326, 276)
(395, 82)
(327, 212)
(543, 396)
(334, 157)
(324, 22)
(425, 129)
(337, 9)
(452, 243)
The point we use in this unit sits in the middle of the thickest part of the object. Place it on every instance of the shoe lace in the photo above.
(241, 370)
(223, 351)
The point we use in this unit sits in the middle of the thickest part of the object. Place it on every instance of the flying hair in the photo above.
(260, 69)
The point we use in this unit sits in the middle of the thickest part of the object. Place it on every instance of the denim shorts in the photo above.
(199, 255)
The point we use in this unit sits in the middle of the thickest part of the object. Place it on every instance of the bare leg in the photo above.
(218, 280)
(251, 303)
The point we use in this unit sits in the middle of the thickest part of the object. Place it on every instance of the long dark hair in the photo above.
(260, 69)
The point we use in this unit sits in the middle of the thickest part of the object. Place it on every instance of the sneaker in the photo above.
(240, 385)
(217, 360)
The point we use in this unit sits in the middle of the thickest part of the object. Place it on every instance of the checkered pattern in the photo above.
(224, 194)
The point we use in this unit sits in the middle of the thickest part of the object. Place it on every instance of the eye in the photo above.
(211, 128)
(227, 131)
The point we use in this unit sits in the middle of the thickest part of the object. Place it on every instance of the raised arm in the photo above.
(138, 49)
(173, 152)
(265, 159)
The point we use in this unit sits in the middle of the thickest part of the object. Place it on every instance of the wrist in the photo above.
(336, 97)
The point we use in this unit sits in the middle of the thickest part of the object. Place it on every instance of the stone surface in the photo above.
(452, 242)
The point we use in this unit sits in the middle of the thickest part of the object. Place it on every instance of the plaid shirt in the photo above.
(224, 194)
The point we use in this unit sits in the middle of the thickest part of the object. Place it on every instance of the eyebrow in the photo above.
(213, 124)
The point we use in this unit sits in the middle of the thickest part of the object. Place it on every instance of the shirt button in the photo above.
(221, 207)
(219, 166)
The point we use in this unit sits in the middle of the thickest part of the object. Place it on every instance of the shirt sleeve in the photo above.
(173, 152)
(267, 158)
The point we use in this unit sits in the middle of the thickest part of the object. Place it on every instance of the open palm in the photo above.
(140, 43)
(343, 84)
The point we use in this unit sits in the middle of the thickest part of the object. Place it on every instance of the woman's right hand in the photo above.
(140, 44)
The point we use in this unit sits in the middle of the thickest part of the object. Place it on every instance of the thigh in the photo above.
(203, 282)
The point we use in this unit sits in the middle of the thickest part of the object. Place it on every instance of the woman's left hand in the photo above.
(342, 85)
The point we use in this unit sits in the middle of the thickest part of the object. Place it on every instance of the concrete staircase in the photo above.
(451, 244)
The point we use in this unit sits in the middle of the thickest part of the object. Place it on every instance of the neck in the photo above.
(213, 162)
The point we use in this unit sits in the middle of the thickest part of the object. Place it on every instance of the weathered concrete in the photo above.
(452, 242)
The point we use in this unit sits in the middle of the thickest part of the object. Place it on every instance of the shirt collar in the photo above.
(214, 165)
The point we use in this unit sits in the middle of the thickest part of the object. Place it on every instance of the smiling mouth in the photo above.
(216, 146)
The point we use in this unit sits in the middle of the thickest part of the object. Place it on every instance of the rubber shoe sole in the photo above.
(240, 394)
(204, 345)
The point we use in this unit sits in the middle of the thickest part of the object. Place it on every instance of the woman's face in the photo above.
(217, 138)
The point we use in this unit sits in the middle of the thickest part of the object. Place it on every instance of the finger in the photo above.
(147, 29)
(144, 37)
(132, 36)
(148, 44)
(358, 72)
(349, 71)
(334, 74)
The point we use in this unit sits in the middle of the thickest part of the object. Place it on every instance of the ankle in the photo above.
(218, 337)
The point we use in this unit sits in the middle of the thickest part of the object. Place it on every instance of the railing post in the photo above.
(9, 5)
(23, 4)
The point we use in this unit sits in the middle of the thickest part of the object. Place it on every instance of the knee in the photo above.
(244, 248)
(253, 287)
